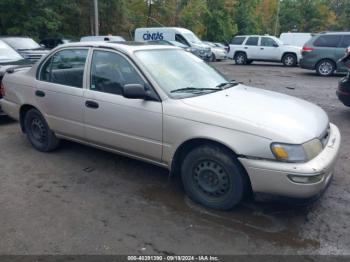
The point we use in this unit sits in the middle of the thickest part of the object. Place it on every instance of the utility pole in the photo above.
(277, 15)
(149, 2)
(96, 17)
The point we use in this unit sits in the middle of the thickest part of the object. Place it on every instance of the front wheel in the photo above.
(325, 67)
(212, 58)
(38, 132)
(213, 177)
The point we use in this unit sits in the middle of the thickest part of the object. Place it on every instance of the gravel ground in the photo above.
(80, 200)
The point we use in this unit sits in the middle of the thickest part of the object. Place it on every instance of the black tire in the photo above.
(249, 62)
(290, 60)
(240, 58)
(213, 177)
(38, 132)
(212, 58)
(325, 67)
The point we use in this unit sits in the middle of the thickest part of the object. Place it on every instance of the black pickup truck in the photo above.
(9, 58)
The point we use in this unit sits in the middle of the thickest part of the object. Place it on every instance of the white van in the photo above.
(178, 34)
(295, 39)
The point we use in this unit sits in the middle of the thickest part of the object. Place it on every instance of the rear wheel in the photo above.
(289, 60)
(241, 58)
(213, 177)
(38, 132)
(325, 67)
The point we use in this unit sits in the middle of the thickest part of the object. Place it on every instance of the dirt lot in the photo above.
(80, 200)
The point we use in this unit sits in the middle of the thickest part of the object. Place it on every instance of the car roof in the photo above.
(126, 46)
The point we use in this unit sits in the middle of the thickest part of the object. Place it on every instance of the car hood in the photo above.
(264, 113)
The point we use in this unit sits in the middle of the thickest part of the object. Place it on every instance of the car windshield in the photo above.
(192, 38)
(8, 54)
(181, 74)
(22, 43)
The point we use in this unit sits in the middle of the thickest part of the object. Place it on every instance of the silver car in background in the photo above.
(218, 52)
(163, 105)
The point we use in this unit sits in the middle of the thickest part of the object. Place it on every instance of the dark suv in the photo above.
(322, 52)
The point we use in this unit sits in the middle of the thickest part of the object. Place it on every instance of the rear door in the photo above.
(132, 126)
(251, 47)
(59, 91)
(326, 47)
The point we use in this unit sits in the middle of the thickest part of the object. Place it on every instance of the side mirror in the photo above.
(134, 91)
(275, 45)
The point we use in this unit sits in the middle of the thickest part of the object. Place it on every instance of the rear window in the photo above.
(345, 41)
(252, 41)
(328, 41)
(238, 40)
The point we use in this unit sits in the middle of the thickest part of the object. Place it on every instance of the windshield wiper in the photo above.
(193, 89)
(227, 84)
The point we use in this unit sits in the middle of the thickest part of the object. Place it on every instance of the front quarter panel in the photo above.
(180, 126)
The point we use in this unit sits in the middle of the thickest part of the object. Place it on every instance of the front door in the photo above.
(269, 49)
(133, 126)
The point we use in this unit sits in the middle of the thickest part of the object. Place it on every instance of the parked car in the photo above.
(343, 91)
(52, 42)
(295, 38)
(217, 53)
(104, 38)
(178, 34)
(26, 46)
(245, 49)
(323, 51)
(9, 58)
(163, 105)
(225, 46)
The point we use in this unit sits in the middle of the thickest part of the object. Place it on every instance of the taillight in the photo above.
(307, 49)
(2, 89)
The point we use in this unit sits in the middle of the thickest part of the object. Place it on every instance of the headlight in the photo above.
(297, 153)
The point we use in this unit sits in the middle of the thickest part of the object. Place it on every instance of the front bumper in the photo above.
(271, 177)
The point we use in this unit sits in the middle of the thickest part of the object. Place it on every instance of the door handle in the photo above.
(246, 48)
(39, 93)
(261, 48)
(91, 104)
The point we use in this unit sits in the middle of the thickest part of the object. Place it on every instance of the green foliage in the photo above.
(215, 20)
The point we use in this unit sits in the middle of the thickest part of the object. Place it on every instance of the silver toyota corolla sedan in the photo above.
(163, 105)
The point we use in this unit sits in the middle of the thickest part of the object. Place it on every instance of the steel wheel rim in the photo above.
(325, 68)
(38, 130)
(211, 179)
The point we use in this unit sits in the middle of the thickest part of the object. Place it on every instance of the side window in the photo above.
(111, 71)
(253, 40)
(267, 41)
(328, 41)
(346, 41)
(238, 40)
(66, 67)
(181, 39)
